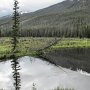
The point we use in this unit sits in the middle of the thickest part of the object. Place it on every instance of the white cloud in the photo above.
(25, 5)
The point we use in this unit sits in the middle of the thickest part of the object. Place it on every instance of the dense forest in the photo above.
(66, 19)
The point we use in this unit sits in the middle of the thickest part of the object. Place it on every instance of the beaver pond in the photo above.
(28, 71)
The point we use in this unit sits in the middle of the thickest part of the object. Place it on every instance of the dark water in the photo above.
(20, 74)
(71, 58)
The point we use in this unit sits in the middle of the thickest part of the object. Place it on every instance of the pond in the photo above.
(45, 76)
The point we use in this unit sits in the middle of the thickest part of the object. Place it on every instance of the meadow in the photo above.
(31, 46)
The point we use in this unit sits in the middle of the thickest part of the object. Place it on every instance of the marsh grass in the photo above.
(26, 46)
(30, 46)
(72, 43)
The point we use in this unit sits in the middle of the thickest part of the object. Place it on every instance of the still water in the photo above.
(44, 75)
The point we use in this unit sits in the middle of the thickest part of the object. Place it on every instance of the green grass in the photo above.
(72, 43)
(26, 46)
(29, 46)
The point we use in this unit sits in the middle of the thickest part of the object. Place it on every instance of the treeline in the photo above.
(71, 24)
(56, 32)
(84, 31)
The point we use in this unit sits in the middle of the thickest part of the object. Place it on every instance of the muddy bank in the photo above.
(77, 58)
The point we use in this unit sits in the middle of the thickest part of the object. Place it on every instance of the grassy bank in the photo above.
(72, 43)
(31, 46)
(26, 46)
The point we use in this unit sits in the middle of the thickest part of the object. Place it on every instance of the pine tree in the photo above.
(15, 27)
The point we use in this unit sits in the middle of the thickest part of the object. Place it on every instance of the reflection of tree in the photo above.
(16, 75)
(34, 87)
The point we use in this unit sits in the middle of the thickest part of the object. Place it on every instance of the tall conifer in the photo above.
(15, 27)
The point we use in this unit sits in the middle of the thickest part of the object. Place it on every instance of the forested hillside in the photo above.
(70, 18)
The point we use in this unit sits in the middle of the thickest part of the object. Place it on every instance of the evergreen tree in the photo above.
(15, 28)
(0, 33)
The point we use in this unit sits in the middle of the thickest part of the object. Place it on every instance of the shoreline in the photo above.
(76, 58)
(67, 59)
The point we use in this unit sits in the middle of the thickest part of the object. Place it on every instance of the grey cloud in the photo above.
(25, 5)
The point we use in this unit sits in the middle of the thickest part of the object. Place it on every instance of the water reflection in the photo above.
(44, 75)
(16, 74)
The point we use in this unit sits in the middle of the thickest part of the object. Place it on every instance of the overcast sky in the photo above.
(25, 5)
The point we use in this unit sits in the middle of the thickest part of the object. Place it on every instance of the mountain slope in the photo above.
(68, 18)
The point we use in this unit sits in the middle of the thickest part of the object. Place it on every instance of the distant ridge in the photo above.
(67, 16)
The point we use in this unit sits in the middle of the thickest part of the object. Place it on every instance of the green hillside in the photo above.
(70, 18)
